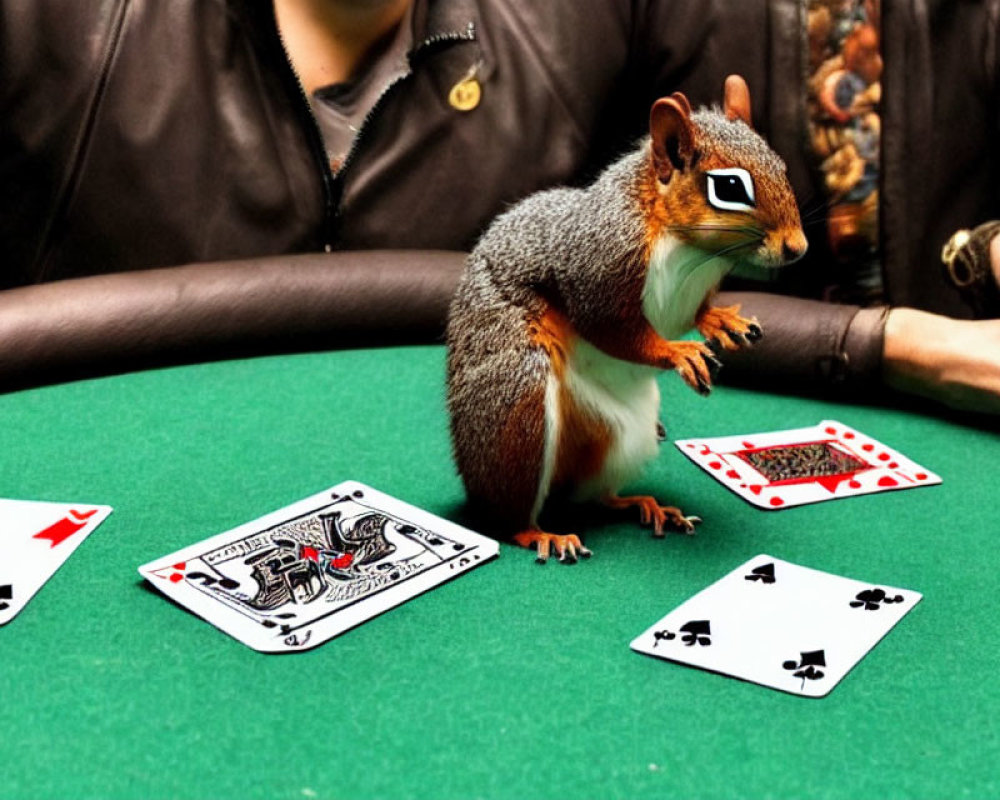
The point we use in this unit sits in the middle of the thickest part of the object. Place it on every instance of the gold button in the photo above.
(465, 95)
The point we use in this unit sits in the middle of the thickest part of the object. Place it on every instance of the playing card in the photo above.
(806, 465)
(780, 625)
(297, 577)
(35, 539)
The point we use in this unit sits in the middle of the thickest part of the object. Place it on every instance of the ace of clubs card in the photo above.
(301, 575)
(35, 539)
(827, 461)
(780, 625)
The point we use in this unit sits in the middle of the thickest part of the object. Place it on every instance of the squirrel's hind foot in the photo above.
(569, 547)
(652, 513)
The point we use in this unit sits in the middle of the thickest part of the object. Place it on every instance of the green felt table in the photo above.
(515, 680)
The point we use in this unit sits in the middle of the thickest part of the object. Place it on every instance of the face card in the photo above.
(779, 625)
(35, 539)
(297, 577)
(806, 465)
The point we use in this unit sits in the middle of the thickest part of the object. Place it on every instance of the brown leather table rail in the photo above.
(104, 324)
(118, 322)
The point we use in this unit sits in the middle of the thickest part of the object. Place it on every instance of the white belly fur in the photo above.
(626, 395)
(679, 279)
(627, 398)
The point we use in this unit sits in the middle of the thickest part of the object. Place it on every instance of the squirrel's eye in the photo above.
(731, 189)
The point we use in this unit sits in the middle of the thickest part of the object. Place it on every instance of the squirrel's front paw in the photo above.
(696, 364)
(726, 326)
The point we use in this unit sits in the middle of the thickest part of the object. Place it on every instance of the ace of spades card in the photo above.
(36, 538)
(779, 625)
(827, 461)
(301, 575)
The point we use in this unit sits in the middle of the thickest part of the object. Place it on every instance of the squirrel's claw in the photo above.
(703, 370)
(652, 513)
(703, 387)
(695, 363)
(684, 525)
(726, 327)
(677, 521)
(741, 341)
(714, 365)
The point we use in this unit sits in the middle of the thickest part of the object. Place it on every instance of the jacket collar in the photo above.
(437, 24)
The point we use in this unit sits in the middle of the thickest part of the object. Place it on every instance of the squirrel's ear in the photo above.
(737, 102)
(682, 100)
(672, 135)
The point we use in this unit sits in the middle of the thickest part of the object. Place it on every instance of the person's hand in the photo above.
(995, 257)
(955, 362)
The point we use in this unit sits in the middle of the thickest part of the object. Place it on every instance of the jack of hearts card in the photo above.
(301, 575)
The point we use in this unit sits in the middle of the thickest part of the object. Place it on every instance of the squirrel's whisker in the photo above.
(747, 229)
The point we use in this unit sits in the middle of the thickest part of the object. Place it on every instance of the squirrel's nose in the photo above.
(794, 247)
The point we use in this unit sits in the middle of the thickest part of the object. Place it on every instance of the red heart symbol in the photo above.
(832, 431)
(867, 447)
(921, 476)
(854, 484)
(777, 501)
(733, 474)
(344, 561)
(887, 481)
(756, 489)
(715, 464)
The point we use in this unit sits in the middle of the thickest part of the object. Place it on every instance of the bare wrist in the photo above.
(907, 355)
(951, 361)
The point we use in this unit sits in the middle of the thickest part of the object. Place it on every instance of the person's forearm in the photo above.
(75, 328)
(953, 362)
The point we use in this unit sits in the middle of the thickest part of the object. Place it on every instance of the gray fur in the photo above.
(582, 251)
(567, 244)
(562, 245)
(737, 143)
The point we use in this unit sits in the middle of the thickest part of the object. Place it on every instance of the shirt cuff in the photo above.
(808, 346)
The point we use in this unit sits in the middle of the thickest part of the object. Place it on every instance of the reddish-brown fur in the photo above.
(583, 440)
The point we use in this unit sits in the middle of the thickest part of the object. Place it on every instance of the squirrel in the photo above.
(572, 301)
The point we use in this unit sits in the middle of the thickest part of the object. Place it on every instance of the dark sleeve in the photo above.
(809, 346)
(89, 326)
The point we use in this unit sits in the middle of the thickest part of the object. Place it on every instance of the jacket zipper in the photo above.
(365, 123)
(315, 137)
(468, 35)
(333, 185)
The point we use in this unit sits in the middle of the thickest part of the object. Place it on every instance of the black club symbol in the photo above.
(873, 599)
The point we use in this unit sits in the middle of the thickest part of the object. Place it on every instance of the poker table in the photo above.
(513, 680)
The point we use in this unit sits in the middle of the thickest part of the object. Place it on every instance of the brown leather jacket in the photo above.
(143, 136)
